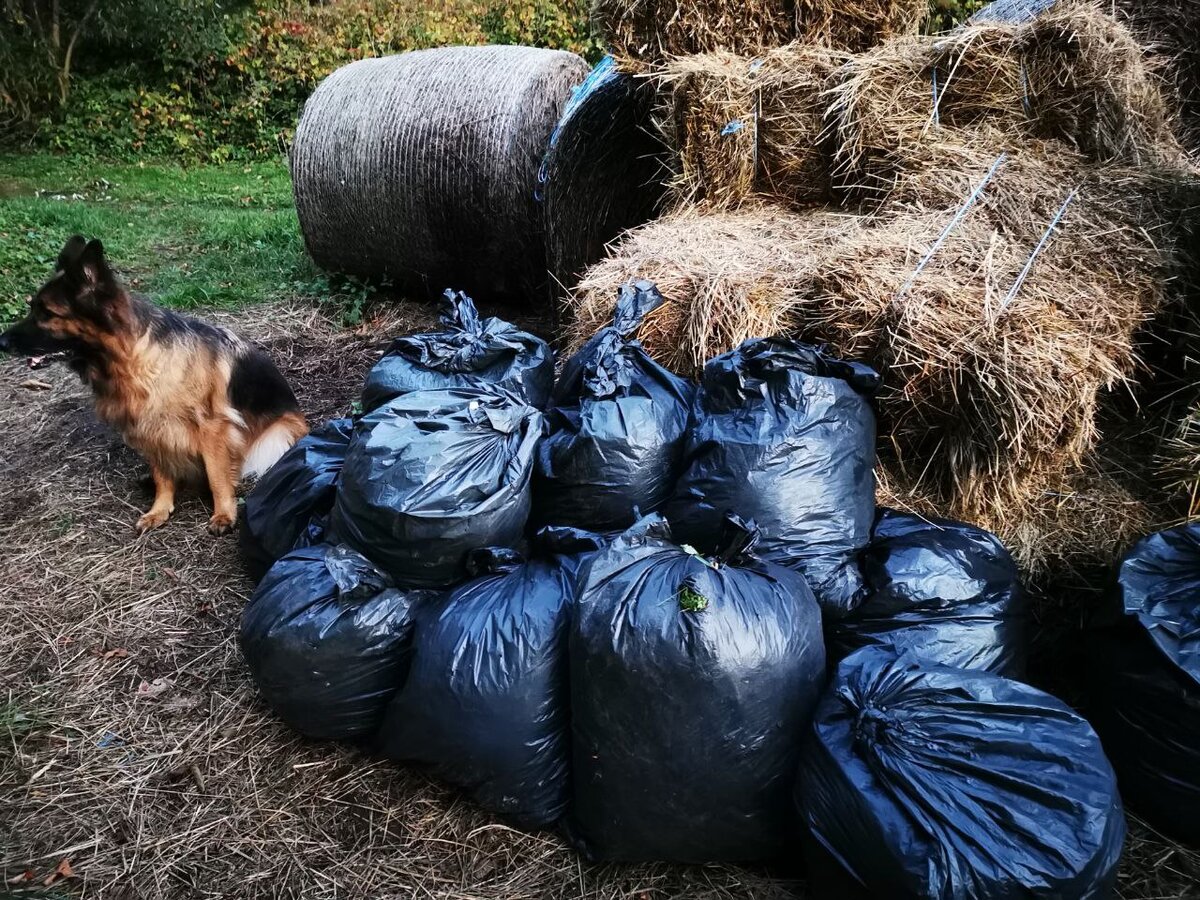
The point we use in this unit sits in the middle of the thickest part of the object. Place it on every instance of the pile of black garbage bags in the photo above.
(668, 619)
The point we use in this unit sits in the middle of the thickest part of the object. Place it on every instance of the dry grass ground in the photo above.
(133, 746)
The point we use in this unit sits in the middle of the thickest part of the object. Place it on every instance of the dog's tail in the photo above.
(274, 441)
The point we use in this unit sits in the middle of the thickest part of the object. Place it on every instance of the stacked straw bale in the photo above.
(748, 126)
(1073, 74)
(991, 384)
(1170, 28)
(796, 120)
(991, 217)
(649, 32)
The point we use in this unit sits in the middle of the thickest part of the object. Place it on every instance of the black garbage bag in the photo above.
(920, 780)
(784, 435)
(287, 506)
(485, 702)
(1145, 684)
(947, 591)
(432, 475)
(692, 681)
(468, 353)
(326, 638)
(615, 433)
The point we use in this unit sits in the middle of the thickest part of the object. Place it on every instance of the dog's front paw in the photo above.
(156, 518)
(221, 523)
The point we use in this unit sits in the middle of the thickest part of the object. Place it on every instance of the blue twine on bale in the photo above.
(603, 72)
(950, 226)
(1012, 292)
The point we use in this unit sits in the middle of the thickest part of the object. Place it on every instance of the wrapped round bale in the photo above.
(485, 702)
(286, 508)
(603, 172)
(326, 638)
(692, 681)
(433, 475)
(947, 591)
(920, 780)
(469, 352)
(784, 435)
(423, 167)
(1146, 681)
(616, 431)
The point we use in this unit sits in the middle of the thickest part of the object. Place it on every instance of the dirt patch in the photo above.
(14, 187)
(133, 745)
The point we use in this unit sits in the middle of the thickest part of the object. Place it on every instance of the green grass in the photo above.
(691, 600)
(222, 236)
(16, 722)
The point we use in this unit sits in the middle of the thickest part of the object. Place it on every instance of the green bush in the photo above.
(216, 80)
(945, 14)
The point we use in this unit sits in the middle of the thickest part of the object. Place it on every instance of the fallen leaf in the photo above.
(116, 653)
(172, 574)
(150, 690)
(37, 362)
(64, 870)
(35, 384)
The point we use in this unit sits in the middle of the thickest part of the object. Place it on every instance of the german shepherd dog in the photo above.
(194, 399)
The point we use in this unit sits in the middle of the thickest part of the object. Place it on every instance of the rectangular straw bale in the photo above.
(727, 277)
(649, 32)
(1092, 84)
(991, 388)
(1074, 74)
(859, 24)
(990, 395)
(744, 126)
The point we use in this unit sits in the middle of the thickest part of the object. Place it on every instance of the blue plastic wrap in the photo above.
(923, 781)
(784, 435)
(469, 353)
(616, 429)
(692, 681)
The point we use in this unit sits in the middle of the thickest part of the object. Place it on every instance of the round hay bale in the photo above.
(423, 167)
(603, 173)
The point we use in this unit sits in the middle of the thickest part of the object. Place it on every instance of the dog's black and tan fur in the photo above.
(194, 399)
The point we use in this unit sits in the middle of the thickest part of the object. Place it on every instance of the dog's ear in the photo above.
(71, 252)
(94, 271)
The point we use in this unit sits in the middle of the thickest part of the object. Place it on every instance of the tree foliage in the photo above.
(218, 79)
